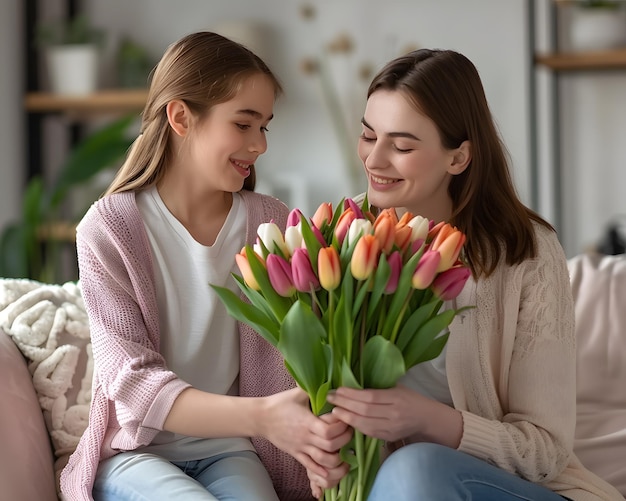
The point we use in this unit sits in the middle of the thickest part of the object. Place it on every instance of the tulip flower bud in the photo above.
(293, 237)
(272, 237)
(344, 222)
(246, 272)
(280, 275)
(395, 263)
(384, 231)
(329, 268)
(426, 270)
(448, 242)
(358, 228)
(302, 271)
(419, 228)
(450, 283)
(293, 218)
(323, 214)
(365, 257)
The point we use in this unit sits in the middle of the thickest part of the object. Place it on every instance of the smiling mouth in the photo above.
(242, 166)
(383, 180)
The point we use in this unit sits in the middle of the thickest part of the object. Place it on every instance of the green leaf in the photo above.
(415, 321)
(313, 245)
(419, 348)
(97, 152)
(278, 304)
(256, 298)
(347, 376)
(302, 346)
(13, 259)
(383, 272)
(382, 363)
(249, 314)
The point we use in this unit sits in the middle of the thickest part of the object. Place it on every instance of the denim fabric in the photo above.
(234, 476)
(432, 472)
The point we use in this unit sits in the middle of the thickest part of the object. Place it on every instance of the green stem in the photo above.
(399, 320)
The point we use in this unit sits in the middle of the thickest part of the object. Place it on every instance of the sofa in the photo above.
(46, 368)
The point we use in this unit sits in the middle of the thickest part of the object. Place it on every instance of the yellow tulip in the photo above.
(365, 257)
(329, 268)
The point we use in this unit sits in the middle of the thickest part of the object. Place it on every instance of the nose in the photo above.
(373, 155)
(258, 144)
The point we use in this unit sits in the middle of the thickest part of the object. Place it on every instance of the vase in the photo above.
(72, 69)
(597, 29)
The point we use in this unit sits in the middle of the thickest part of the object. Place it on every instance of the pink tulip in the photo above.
(343, 224)
(246, 271)
(319, 236)
(302, 271)
(294, 217)
(426, 270)
(351, 204)
(365, 257)
(450, 283)
(329, 268)
(280, 275)
(449, 242)
(395, 262)
(323, 214)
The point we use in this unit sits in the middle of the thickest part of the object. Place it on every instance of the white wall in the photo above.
(303, 148)
(303, 151)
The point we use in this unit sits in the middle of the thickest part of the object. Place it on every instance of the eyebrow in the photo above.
(255, 114)
(407, 135)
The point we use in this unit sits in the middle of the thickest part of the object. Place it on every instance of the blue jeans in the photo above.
(431, 472)
(132, 476)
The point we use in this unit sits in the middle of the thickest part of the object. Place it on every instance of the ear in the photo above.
(461, 157)
(179, 117)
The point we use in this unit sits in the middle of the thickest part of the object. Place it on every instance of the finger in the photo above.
(308, 462)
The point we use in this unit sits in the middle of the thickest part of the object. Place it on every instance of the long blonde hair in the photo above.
(202, 69)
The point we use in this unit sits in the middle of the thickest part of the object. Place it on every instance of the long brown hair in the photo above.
(445, 86)
(202, 69)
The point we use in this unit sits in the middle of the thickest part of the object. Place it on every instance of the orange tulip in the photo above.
(323, 214)
(365, 257)
(246, 271)
(329, 268)
(384, 230)
(449, 242)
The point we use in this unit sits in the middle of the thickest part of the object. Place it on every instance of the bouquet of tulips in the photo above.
(350, 299)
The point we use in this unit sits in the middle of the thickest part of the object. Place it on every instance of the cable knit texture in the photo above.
(131, 380)
(511, 365)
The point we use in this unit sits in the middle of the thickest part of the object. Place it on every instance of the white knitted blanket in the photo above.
(49, 325)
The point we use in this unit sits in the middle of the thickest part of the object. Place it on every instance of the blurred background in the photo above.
(556, 91)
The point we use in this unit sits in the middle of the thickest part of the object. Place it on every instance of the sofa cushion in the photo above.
(25, 455)
(49, 325)
(599, 288)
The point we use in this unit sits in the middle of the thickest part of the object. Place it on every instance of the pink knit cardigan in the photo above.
(133, 391)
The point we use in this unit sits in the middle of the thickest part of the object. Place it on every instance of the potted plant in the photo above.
(598, 25)
(30, 247)
(71, 51)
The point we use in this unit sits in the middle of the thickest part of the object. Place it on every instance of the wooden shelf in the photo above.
(597, 60)
(99, 102)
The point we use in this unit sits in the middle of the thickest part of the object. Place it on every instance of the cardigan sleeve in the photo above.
(117, 285)
(520, 408)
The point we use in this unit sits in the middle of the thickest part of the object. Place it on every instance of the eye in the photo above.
(366, 138)
(243, 126)
(402, 150)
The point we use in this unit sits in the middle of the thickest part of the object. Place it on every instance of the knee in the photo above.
(423, 463)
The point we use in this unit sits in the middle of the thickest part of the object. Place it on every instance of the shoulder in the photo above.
(264, 208)
(114, 217)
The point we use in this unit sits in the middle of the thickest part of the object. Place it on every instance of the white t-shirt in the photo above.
(199, 340)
